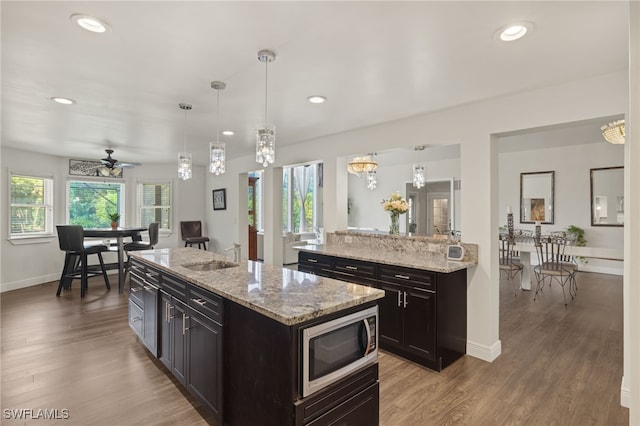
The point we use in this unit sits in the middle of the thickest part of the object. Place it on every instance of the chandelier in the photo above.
(361, 165)
(184, 158)
(614, 132)
(266, 132)
(418, 171)
(217, 148)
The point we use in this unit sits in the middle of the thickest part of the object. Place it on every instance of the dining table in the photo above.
(118, 234)
(526, 248)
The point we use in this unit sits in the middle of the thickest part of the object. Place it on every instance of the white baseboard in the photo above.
(601, 269)
(483, 352)
(625, 394)
(29, 282)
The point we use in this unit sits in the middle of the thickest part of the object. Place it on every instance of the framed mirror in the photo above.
(607, 196)
(536, 197)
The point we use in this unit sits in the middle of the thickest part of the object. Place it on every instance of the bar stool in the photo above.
(192, 234)
(71, 241)
(138, 245)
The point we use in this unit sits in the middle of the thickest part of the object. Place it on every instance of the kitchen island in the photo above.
(232, 335)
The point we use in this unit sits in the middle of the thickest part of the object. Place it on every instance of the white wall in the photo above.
(571, 165)
(30, 262)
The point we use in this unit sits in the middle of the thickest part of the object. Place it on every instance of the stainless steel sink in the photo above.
(210, 266)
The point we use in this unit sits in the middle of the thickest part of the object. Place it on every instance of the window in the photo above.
(31, 205)
(89, 203)
(299, 198)
(255, 200)
(154, 204)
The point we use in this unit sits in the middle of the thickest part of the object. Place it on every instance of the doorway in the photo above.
(430, 208)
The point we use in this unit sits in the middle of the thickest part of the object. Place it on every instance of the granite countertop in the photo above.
(285, 295)
(436, 263)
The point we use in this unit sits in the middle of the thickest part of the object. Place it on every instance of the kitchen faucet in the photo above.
(236, 252)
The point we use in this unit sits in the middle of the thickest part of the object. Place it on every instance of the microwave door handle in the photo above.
(367, 328)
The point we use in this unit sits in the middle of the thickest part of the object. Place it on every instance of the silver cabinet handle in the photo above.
(405, 300)
(399, 297)
(134, 319)
(199, 301)
(354, 268)
(404, 277)
(312, 261)
(184, 324)
(136, 289)
(167, 310)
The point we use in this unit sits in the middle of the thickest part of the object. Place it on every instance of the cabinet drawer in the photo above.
(313, 260)
(355, 271)
(175, 287)
(135, 318)
(206, 302)
(407, 276)
(136, 287)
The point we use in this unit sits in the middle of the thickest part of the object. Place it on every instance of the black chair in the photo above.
(192, 234)
(137, 244)
(71, 240)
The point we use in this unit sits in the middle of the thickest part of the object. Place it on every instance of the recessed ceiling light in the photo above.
(90, 23)
(63, 101)
(514, 31)
(317, 99)
(227, 132)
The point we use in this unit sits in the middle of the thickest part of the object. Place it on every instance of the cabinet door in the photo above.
(390, 311)
(420, 323)
(150, 321)
(178, 340)
(205, 361)
(165, 330)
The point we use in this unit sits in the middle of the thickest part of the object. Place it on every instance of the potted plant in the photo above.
(580, 241)
(115, 217)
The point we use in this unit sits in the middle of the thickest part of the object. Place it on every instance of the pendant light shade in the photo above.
(217, 149)
(614, 132)
(266, 132)
(372, 180)
(419, 176)
(185, 163)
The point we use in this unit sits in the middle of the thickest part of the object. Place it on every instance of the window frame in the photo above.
(48, 205)
(139, 203)
(123, 193)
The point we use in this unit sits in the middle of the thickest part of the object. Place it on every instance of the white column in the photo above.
(630, 389)
(272, 215)
(479, 202)
(335, 189)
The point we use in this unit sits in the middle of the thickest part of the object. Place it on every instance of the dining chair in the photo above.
(508, 265)
(192, 234)
(553, 264)
(138, 245)
(77, 251)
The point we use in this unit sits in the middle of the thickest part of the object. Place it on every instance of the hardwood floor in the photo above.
(559, 366)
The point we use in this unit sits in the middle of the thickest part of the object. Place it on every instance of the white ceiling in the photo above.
(375, 61)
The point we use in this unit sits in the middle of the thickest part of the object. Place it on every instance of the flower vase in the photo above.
(394, 228)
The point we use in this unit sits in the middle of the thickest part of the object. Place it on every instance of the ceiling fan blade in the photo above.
(123, 165)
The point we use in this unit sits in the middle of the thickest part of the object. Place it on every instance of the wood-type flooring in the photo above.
(559, 366)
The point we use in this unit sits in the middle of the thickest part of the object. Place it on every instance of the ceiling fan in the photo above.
(112, 167)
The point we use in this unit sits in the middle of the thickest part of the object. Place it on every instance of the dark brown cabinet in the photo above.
(173, 341)
(423, 316)
(143, 305)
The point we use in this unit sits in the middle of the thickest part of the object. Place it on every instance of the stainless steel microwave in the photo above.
(334, 349)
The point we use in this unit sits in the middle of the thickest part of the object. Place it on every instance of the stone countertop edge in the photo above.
(285, 295)
(393, 258)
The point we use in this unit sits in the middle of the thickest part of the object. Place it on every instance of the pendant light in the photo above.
(372, 180)
(217, 148)
(184, 158)
(418, 171)
(266, 132)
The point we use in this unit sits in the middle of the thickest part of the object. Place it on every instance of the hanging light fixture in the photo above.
(361, 165)
(372, 180)
(418, 171)
(266, 132)
(217, 148)
(184, 158)
(614, 132)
